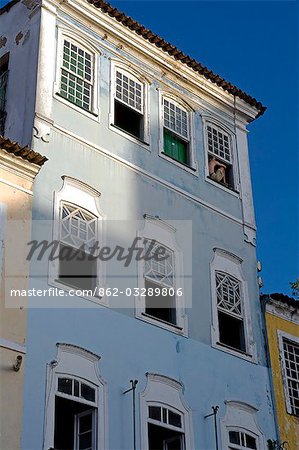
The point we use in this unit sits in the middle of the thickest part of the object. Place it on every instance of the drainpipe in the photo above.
(133, 389)
(264, 300)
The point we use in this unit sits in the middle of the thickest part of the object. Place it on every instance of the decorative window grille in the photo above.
(76, 388)
(129, 91)
(175, 118)
(165, 416)
(230, 314)
(161, 272)
(78, 227)
(241, 441)
(76, 81)
(291, 362)
(219, 143)
(228, 294)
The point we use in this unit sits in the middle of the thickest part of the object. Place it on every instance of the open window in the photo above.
(220, 155)
(4, 60)
(75, 409)
(176, 131)
(128, 103)
(78, 235)
(231, 329)
(161, 301)
(166, 419)
(75, 415)
(230, 311)
(165, 430)
(160, 283)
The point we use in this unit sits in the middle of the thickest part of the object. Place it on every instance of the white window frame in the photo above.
(135, 75)
(228, 263)
(222, 126)
(167, 393)
(78, 363)
(85, 44)
(192, 166)
(82, 196)
(164, 233)
(242, 417)
(283, 336)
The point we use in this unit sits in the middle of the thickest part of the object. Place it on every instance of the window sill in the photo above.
(234, 352)
(91, 114)
(183, 166)
(129, 136)
(161, 323)
(222, 186)
(56, 282)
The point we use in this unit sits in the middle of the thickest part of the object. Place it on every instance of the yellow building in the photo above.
(282, 323)
(18, 169)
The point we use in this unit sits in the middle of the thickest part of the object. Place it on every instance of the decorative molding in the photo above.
(14, 346)
(283, 311)
(18, 166)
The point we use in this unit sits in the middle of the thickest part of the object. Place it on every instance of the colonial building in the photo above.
(18, 169)
(147, 150)
(282, 324)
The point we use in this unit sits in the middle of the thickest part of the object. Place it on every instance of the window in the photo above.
(220, 155)
(239, 427)
(77, 233)
(176, 134)
(129, 103)
(3, 87)
(77, 75)
(241, 440)
(290, 363)
(161, 282)
(159, 278)
(75, 415)
(166, 420)
(231, 328)
(230, 314)
(75, 401)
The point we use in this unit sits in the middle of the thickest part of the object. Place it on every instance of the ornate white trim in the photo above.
(77, 362)
(226, 262)
(167, 391)
(241, 416)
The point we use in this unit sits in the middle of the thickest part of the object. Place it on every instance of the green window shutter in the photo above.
(175, 147)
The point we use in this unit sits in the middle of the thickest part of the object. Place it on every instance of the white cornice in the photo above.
(131, 42)
(283, 311)
(18, 166)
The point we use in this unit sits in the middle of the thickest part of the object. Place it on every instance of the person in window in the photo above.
(217, 170)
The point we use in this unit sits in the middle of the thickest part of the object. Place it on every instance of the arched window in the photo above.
(78, 231)
(176, 132)
(239, 427)
(161, 301)
(231, 321)
(166, 419)
(220, 155)
(129, 102)
(75, 401)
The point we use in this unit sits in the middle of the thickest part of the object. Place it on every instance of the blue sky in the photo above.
(254, 45)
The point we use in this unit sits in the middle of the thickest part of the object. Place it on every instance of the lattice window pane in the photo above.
(228, 294)
(77, 227)
(175, 118)
(160, 271)
(129, 91)
(291, 360)
(76, 75)
(219, 143)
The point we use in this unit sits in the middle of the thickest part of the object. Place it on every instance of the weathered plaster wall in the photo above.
(288, 424)
(19, 37)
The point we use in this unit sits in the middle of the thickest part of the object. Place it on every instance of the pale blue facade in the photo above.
(133, 180)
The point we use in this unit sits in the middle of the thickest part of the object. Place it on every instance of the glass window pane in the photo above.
(65, 385)
(87, 392)
(154, 412)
